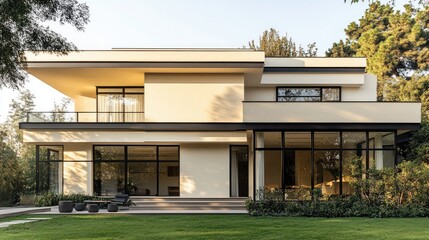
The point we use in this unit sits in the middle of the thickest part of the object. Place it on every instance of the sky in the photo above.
(197, 24)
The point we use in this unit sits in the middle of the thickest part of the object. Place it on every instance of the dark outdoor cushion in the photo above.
(112, 207)
(121, 199)
(93, 208)
(79, 206)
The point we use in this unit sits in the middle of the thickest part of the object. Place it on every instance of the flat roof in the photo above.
(313, 62)
(189, 49)
(150, 56)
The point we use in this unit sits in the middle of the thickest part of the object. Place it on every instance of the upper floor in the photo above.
(213, 85)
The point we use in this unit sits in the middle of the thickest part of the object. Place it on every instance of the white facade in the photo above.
(205, 101)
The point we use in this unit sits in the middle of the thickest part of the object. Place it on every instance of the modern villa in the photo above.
(210, 123)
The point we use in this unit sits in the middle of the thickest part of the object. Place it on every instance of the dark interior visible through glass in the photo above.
(326, 157)
(49, 168)
(239, 171)
(136, 170)
(308, 94)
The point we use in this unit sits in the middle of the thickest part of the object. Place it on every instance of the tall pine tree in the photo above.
(275, 45)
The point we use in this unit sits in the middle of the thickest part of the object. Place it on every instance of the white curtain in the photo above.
(259, 162)
(110, 108)
(379, 154)
(234, 173)
(134, 107)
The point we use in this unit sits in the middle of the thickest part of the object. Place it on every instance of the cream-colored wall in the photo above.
(86, 104)
(260, 94)
(340, 112)
(313, 79)
(194, 97)
(77, 175)
(366, 92)
(204, 170)
(122, 137)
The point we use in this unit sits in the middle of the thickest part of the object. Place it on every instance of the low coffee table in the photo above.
(101, 203)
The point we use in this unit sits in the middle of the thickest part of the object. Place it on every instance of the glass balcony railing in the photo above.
(83, 117)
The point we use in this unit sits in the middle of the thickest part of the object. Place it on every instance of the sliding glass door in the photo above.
(137, 170)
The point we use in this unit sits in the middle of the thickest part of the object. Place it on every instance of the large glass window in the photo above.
(327, 140)
(120, 104)
(109, 177)
(327, 171)
(49, 168)
(308, 94)
(297, 174)
(297, 139)
(137, 170)
(272, 168)
(327, 160)
(269, 140)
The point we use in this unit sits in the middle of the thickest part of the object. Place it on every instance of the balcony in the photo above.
(84, 117)
(332, 112)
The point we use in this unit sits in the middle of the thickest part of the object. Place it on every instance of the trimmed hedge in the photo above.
(52, 199)
(402, 191)
(334, 207)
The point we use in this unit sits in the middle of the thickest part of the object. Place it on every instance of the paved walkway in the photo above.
(14, 222)
(15, 211)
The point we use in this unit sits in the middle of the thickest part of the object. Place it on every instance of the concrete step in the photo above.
(178, 199)
(155, 208)
(188, 203)
(176, 203)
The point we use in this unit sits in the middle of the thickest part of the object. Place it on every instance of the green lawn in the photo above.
(215, 227)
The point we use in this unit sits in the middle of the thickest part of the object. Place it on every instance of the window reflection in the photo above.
(303, 94)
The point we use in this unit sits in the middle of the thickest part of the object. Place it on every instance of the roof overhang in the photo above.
(268, 126)
(78, 73)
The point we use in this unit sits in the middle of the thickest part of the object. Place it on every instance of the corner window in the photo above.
(308, 94)
(49, 169)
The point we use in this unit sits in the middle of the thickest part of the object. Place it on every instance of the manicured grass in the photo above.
(215, 227)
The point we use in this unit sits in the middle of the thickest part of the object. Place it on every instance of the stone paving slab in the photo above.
(14, 222)
(15, 211)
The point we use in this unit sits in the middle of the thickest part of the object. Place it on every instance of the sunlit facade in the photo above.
(211, 123)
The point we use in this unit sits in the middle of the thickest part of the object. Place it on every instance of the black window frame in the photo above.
(341, 150)
(127, 161)
(320, 96)
(123, 92)
(48, 161)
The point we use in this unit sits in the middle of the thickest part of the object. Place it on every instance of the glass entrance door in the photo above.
(239, 171)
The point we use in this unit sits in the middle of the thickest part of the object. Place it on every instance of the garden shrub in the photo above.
(52, 199)
(394, 192)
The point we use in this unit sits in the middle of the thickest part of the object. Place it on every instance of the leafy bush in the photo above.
(270, 202)
(399, 192)
(52, 199)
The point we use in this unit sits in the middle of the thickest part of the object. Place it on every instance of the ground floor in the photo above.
(211, 164)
